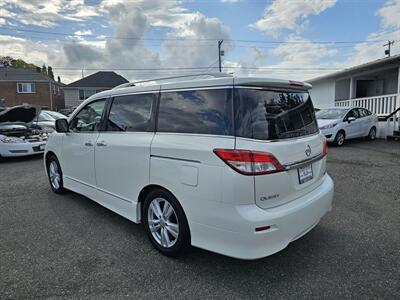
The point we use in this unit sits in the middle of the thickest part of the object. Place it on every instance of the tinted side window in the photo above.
(201, 111)
(131, 113)
(89, 117)
(362, 112)
(352, 113)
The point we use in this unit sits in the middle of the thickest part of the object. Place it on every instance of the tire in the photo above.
(54, 174)
(372, 134)
(169, 233)
(340, 138)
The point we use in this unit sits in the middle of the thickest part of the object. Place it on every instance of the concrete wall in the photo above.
(71, 97)
(41, 97)
(323, 93)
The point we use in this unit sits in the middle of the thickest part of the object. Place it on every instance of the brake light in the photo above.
(325, 147)
(248, 162)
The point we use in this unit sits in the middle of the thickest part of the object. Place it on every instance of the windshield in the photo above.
(271, 115)
(55, 115)
(333, 113)
(43, 116)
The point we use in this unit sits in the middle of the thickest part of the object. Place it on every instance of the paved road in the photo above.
(68, 246)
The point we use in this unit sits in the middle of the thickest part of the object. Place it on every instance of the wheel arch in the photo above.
(47, 157)
(147, 189)
(342, 130)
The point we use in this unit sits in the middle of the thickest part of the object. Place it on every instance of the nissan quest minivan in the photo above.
(234, 165)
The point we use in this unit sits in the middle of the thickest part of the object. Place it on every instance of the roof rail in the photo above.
(214, 74)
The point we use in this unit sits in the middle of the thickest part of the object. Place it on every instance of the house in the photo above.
(374, 85)
(82, 89)
(19, 85)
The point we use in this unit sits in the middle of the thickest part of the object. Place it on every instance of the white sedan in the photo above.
(17, 138)
(341, 123)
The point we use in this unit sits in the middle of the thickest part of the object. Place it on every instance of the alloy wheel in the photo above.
(340, 139)
(372, 134)
(163, 222)
(54, 174)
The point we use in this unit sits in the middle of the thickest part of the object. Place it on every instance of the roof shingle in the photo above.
(102, 79)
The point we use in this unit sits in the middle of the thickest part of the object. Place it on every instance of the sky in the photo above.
(143, 39)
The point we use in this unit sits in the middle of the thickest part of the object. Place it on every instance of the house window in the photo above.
(26, 88)
(84, 94)
(58, 91)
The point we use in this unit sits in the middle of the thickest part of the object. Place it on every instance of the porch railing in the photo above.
(380, 105)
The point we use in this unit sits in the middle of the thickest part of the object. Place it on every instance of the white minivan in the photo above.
(234, 165)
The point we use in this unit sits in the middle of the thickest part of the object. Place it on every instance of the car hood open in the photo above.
(20, 113)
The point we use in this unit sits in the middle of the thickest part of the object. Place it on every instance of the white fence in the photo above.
(380, 105)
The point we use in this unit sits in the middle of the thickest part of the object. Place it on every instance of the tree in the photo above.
(38, 69)
(50, 72)
(59, 79)
(44, 70)
(5, 61)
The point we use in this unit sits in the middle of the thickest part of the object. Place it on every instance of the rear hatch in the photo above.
(280, 121)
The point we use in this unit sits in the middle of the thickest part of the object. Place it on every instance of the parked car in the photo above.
(341, 123)
(66, 111)
(55, 115)
(17, 137)
(232, 165)
(46, 120)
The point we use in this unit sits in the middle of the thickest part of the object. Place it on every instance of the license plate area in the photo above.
(41, 147)
(305, 173)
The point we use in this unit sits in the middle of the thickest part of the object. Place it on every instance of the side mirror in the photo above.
(351, 119)
(62, 125)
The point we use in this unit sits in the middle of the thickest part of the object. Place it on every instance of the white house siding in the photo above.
(71, 97)
(323, 93)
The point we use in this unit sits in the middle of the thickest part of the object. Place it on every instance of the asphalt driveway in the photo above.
(63, 246)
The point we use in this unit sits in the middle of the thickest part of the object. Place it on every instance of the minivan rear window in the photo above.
(271, 115)
(197, 111)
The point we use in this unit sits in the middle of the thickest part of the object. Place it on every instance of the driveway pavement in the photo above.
(64, 246)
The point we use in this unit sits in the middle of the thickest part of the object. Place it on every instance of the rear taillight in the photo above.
(250, 162)
(325, 148)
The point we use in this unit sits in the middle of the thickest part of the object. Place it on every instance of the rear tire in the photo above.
(372, 134)
(339, 138)
(165, 223)
(54, 175)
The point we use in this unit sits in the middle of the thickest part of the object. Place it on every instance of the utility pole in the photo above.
(220, 53)
(389, 44)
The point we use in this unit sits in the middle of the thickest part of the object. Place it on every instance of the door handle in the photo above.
(88, 144)
(101, 144)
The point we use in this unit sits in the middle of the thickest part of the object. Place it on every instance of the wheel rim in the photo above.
(340, 139)
(372, 134)
(54, 174)
(163, 222)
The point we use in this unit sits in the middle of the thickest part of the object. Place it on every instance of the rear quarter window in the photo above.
(271, 115)
(197, 111)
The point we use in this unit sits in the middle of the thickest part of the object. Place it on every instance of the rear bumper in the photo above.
(287, 223)
(21, 149)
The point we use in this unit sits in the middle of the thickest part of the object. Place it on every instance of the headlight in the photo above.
(328, 126)
(8, 139)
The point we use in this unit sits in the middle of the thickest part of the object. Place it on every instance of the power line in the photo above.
(193, 68)
(191, 39)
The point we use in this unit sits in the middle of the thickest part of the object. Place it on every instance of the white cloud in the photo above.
(83, 32)
(46, 13)
(291, 15)
(390, 14)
